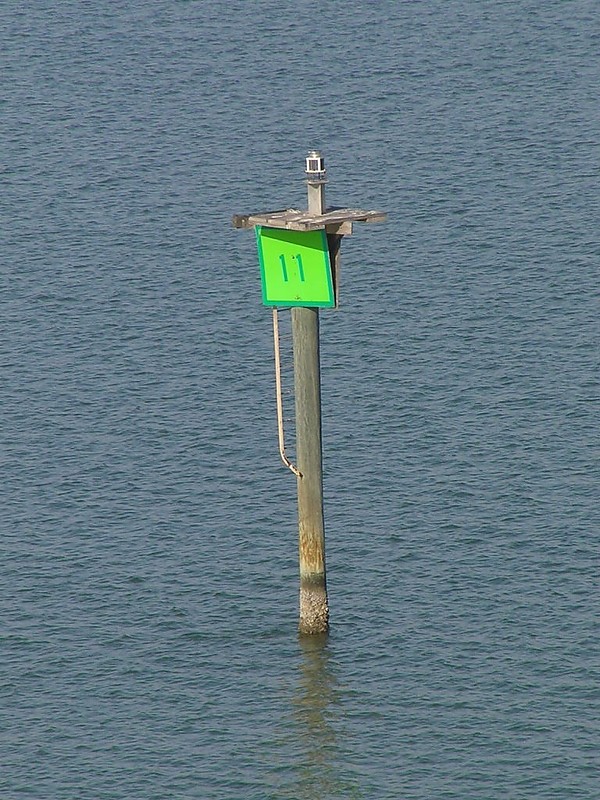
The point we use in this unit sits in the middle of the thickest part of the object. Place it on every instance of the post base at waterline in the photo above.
(314, 611)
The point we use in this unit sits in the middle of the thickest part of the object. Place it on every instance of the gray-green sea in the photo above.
(148, 569)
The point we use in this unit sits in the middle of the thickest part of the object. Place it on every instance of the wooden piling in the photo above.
(314, 610)
(336, 223)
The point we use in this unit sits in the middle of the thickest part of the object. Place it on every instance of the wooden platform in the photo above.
(334, 220)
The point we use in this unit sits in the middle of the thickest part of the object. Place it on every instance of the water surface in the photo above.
(149, 569)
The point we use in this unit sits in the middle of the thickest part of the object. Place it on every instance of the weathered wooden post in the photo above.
(314, 611)
(296, 251)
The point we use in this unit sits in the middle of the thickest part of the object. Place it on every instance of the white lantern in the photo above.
(315, 165)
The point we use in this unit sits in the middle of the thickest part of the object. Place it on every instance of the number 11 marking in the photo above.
(284, 268)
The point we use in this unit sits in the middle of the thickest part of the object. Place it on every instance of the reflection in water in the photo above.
(315, 700)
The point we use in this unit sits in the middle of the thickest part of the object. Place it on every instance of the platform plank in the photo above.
(294, 220)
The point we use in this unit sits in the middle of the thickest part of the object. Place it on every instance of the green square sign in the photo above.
(295, 267)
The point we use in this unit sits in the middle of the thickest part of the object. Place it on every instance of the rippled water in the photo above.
(149, 568)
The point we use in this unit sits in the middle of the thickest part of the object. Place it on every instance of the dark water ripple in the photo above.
(148, 583)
